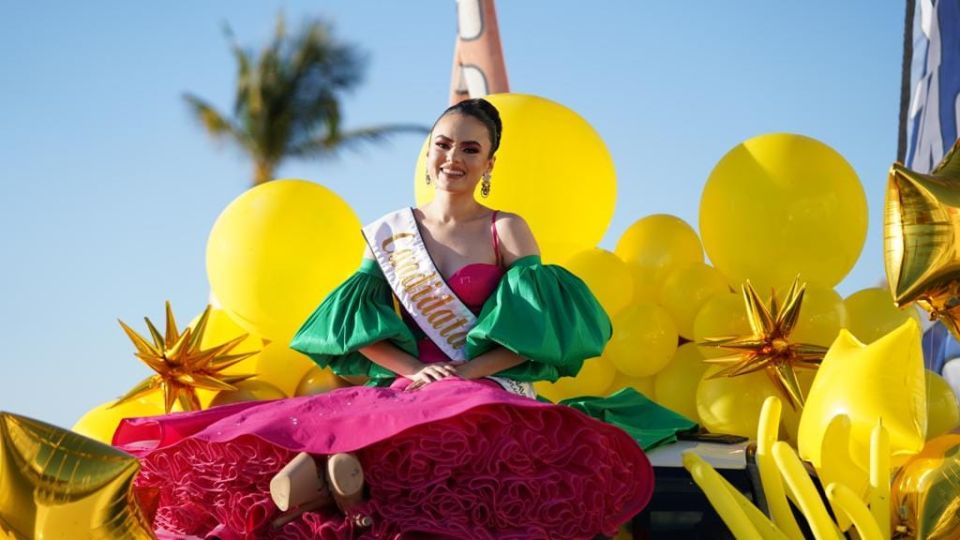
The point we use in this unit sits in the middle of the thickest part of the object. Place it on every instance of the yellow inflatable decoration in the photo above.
(317, 381)
(687, 289)
(252, 390)
(732, 404)
(654, 246)
(607, 276)
(780, 204)
(822, 316)
(55, 484)
(283, 367)
(871, 314)
(644, 340)
(277, 250)
(644, 385)
(723, 315)
(884, 379)
(943, 413)
(675, 386)
(569, 201)
(593, 380)
(926, 491)
(100, 422)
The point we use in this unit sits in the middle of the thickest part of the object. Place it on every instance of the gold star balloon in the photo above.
(57, 484)
(769, 348)
(181, 365)
(921, 233)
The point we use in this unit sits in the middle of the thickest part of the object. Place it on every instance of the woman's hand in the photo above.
(432, 372)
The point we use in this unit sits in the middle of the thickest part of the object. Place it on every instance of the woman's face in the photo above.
(459, 153)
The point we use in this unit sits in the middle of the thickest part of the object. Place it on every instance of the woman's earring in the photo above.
(426, 177)
(485, 186)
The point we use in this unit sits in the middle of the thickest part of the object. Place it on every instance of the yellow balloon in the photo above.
(221, 329)
(101, 422)
(644, 340)
(283, 367)
(318, 380)
(687, 289)
(249, 390)
(943, 412)
(872, 314)
(530, 180)
(724, 315)
(822, 315)
(277, 250)
(606, 275)
(732, 404)
(645, 286)
(593, 380)
(884, 379)
(659, 243)
(644, 385)
(675, 386)
(780, 204)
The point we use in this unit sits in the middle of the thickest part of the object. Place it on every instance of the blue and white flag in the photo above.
(934, 111)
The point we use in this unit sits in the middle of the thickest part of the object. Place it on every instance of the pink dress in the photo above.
(454, 459)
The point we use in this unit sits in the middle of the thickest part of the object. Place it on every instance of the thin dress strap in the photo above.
(496, 239)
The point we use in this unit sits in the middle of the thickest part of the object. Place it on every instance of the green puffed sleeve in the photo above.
(355, 314)
(543, 313)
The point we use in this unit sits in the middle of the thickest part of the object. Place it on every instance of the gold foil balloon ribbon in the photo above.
(921, 232)
(56, 484)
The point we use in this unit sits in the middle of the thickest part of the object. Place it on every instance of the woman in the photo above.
(451, 316)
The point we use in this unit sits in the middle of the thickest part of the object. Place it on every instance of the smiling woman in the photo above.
(451, 317)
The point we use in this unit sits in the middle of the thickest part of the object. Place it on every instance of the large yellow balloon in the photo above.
(943, 412)
(780, 204)
(656, 245)
(687, 289)
(100, 422)
(675, 386)
(884, 379)
(593, 380)
(872, 314)
(607, 276)
(566, 189)
(732, 404)
(277, 250)
(318, 380)
(644, 340)
(283, 367)
(724, 315)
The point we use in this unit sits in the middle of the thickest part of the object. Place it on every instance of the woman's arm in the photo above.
(489, 363)
(390, 356)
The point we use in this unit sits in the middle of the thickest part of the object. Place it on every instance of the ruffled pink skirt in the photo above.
(455, 459)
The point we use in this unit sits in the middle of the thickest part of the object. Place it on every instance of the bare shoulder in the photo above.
(516, 238)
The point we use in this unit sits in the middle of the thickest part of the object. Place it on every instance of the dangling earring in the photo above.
(426, 177)
(485, 186)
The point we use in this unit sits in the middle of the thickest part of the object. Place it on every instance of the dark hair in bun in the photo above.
(483, 111)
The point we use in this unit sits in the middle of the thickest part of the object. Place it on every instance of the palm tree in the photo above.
(287, 102)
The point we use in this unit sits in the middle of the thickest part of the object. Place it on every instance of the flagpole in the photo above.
(905, 79)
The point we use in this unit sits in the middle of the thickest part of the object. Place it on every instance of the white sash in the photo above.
(398, 248)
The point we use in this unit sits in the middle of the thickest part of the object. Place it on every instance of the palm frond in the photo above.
(329, 144)
(216, 124)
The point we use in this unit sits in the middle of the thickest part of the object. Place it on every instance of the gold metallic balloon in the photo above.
(56, 484)
(921, 231)
(926, 491)
(251, 390)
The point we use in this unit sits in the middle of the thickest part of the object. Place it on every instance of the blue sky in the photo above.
(109, 189)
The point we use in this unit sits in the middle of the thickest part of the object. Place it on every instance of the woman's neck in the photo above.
(447, 207)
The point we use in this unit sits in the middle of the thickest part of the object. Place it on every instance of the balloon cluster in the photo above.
(272, 256)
